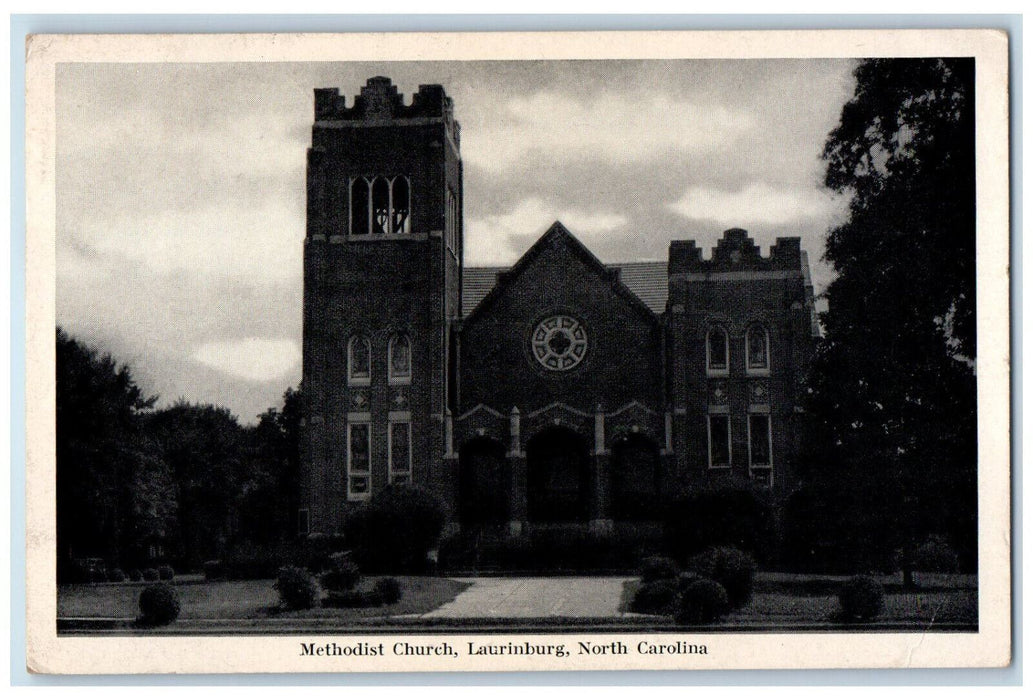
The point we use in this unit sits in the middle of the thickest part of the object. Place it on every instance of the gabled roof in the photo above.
(644, 284)
(646, 280)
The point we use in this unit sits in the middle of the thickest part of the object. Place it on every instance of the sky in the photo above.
(181, 188)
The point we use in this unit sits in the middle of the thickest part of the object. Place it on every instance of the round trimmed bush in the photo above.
(135, 575)
(656, 597)
(861, 599)
(297, 588)
(159, 604)
(166, 572)
(150, 574)
(658, 568)
(389, 590)
(687, 578)
(393, 533)
(343, 574)
(730, 567)
(116, 575)
(936, 555)
(703, 601)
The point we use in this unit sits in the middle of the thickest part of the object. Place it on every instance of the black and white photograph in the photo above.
(558, 352)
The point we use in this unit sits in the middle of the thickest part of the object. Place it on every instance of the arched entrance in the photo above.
(558, 476)
(635, 478)
(482, 485)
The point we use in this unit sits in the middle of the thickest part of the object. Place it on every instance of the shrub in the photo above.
(342, 575)
(150, 574)
(936, 555)
(353, 599)
(731, 568)
(393, 532)
(732, 517)
(656, 597)
(389, 590)
(861, 599)
(135, 575)
(658, 568)
(687, 578)
(297, 588)
(703, 601)
(166, 572)
(314, 553)
(116, 575)
(214, 570)
(159, 604)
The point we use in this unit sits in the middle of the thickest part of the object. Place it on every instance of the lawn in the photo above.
(240, 600)
(788, 599)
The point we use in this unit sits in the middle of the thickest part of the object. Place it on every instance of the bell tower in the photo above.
(382, 280)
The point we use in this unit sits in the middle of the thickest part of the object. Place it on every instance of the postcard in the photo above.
(518, 351)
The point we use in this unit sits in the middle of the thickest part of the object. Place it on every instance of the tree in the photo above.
(268, 496)
(112, 489)
(203, 445)
(893, 388)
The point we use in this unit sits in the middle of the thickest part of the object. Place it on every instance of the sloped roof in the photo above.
(647, 280)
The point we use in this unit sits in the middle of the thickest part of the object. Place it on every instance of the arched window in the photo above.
(717, 351)
(400, 205)
(360, 207)
(399, 360)
(358, 360)
(381, 205)
(757, 349)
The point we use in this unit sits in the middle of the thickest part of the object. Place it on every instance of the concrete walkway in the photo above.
(536, 597)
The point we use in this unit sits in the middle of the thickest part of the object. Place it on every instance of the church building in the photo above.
(559, 390)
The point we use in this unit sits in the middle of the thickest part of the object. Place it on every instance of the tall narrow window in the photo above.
(400, 453)
(358, 361)
(359, 476)
(717, 351)
(757, 349)
(399, 360)
(719, 436)
(760, 440)
(760, 449)
(400, 205)
(381, 201)
(360, 224)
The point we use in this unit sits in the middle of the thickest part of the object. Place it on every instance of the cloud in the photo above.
(498, 239)
(252, 359)
(758, 203)
(609, 128)
(221, 240)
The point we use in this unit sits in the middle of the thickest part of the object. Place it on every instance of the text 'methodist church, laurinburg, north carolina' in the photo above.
(558, 390)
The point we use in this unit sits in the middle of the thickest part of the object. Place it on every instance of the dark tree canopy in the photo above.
(107, 472)
(893, 389)
(905, 152)
(186, 483)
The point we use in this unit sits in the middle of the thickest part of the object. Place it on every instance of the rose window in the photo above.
(559, 343)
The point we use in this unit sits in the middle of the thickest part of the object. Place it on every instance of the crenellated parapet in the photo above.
(380, 101)
(735, 252)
